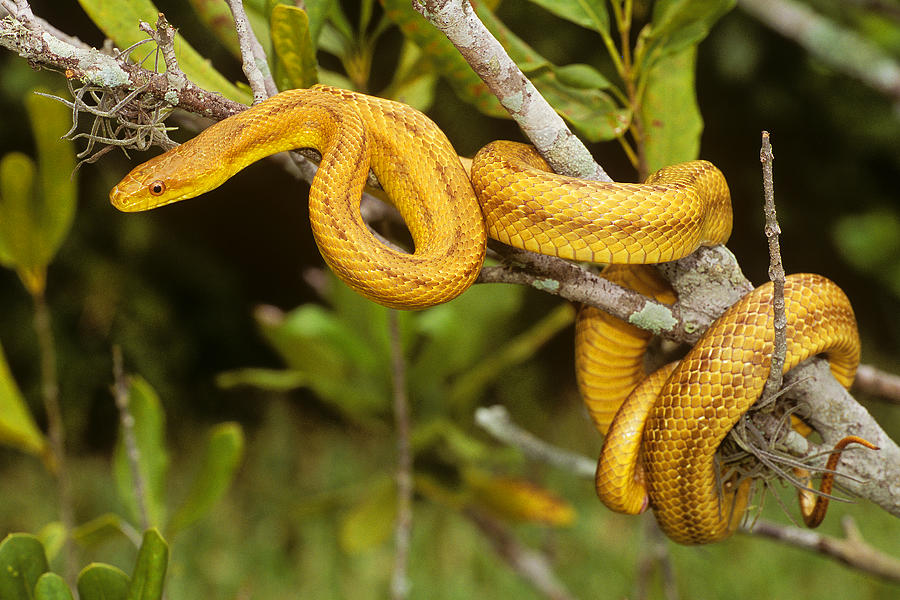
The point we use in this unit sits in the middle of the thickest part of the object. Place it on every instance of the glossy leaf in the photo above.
(445, 58)
(339, 360)
(118, 20)
(671, 116)
(99, 581)
(22, 562)
(582, 76)
(870, 242)
(678, 24)
(414, 79)
(517, 499)
(295, 55)
(591, 111)
(53, 536)
(57, 181)
(216, 16)
(17, 426)
(51, 586)
(370, 522)
(37, 200)
(221, 459)
(18, 229)
(149, 575)
(591, 14)
(101, 530)
(318, 12)
(153, 459)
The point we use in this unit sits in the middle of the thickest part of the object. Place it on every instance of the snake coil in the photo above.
(662, 430)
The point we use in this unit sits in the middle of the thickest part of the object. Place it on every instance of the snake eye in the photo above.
(157, 187)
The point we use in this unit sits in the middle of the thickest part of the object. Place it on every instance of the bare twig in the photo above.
(56, 429)
(655, 556)
(852, 549)
(529, 564)
(403, 528)
(871, 380)
(776, 274)
(122, 397)
(496, 421)
(256, 68)
(706, 282)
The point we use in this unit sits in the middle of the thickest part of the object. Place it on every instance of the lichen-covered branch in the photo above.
(539, 121)
(707, 282)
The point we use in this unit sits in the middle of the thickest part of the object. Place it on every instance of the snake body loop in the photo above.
(688, 407)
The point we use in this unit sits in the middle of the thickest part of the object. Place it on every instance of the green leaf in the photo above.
(37, 202)
(273, 380)
(53, 536)
(17, 220)
(57, 182)
(370, 522)
(318, 12)
(224, 451)
(678, 24)
(445, 58)
(216, 16)
(51, 586)
(149, 574)
(591, 14)
(582, 76)
(22, 562)
(342, 365)
(591, 111)
(118, 20)
(153, 459)
(671, 117)
(17, 427)
(100, 530)
(414, 79)
(99, 581)
(871, 242)
(295, 55)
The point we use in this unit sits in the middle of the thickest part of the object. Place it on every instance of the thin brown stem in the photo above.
(852, 549)
(403, 528)
(776, 273)
(56, 431)
(531, 565)
(126, 419)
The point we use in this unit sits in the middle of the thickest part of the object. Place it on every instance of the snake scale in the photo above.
(662, 430)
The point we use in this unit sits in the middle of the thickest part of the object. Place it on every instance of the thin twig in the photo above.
(656, 555)
(496, 421)
(871, 380)
(122, 397)
(403, 527)
(851, 550)
(256, 69)
(706, 282)
(529, 564)
(776, 275)
(56, 429)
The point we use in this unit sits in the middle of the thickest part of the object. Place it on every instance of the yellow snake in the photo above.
(689, 407)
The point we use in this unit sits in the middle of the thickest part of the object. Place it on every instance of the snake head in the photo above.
(170, 177)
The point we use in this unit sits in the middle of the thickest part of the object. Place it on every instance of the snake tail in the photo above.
(717, 382)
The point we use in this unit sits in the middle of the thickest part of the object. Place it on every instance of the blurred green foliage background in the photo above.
(227, 290)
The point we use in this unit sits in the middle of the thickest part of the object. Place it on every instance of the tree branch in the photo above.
(707, 282)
